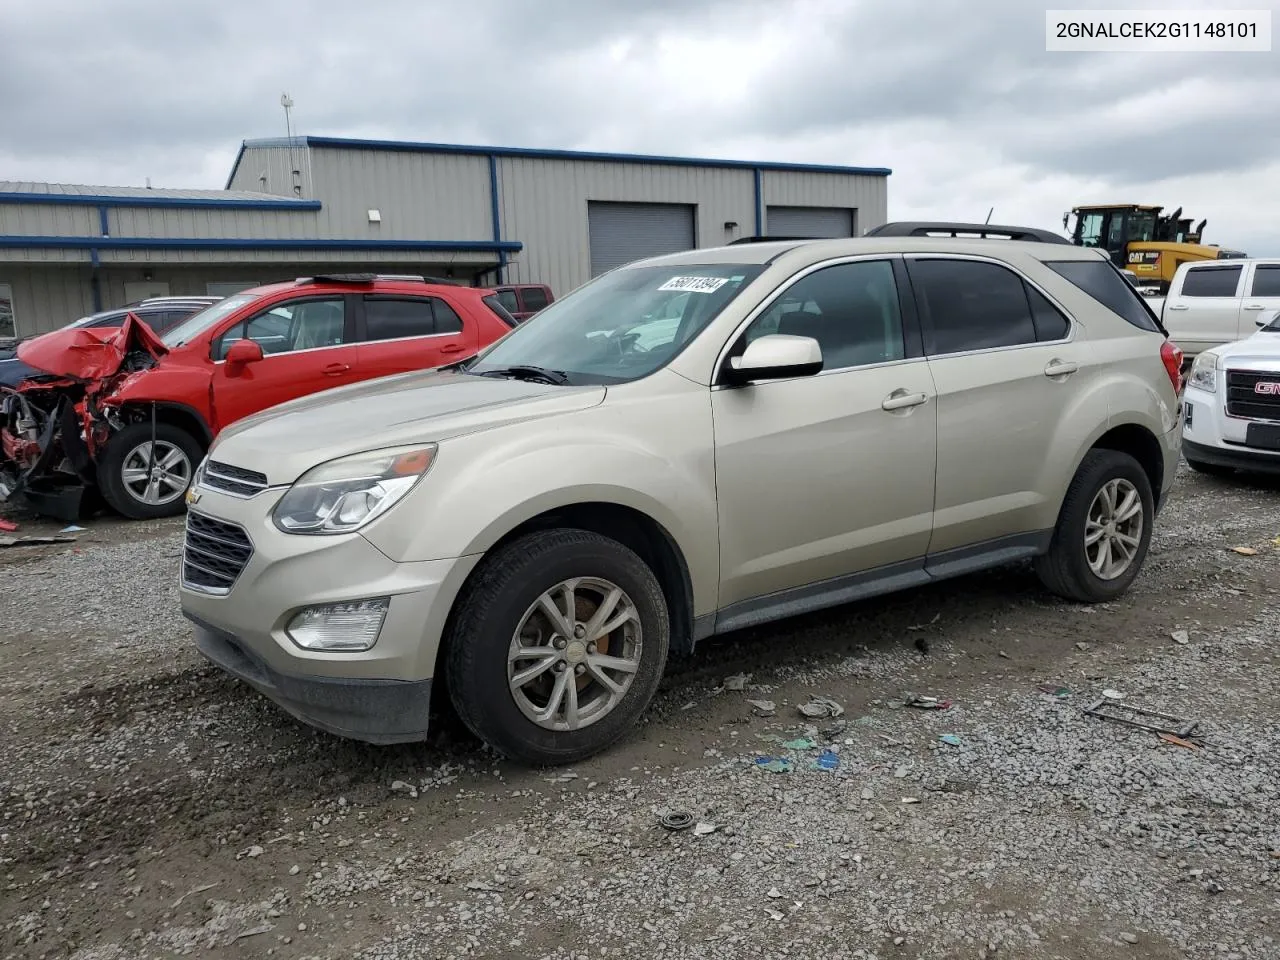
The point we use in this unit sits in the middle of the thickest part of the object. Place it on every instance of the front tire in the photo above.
(558, 646)
(141, 487)
(1103, 530)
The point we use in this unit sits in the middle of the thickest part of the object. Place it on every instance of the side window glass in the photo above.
(287, 327)
(1266, 280)
(1051, 323)
(535, 298)
(851, 309)
(508, 300)
(970, 305)
(447, 319)
(388, 319)
(1211, 281)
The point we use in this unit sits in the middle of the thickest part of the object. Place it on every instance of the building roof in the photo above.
(405, 146)
(21, 191)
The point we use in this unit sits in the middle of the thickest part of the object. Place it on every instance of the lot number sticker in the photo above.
(695, 284)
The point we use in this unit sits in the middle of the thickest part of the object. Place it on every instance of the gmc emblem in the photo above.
(1268, 388)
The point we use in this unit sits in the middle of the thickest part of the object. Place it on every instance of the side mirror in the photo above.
(774, 357)
(242, 353)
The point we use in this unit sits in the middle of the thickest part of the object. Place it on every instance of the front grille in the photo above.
(233, 480)
(214, 553)
(1243, 399)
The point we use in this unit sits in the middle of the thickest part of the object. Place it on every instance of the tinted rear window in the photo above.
(1211, 281)
(1102, 281)
(494, 304)
(535, 298)
(1266, 281)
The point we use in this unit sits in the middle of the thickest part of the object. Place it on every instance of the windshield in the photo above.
(622, 326)
(197, 324)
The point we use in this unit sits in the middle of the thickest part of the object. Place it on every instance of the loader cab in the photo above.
(1113, 228)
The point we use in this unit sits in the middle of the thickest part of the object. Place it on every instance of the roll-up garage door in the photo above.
(623, 232)
(809, 222)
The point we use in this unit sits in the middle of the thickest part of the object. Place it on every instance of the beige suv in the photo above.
(684, 446)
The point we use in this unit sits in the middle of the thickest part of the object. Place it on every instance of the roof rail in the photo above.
(962, 231)
(371, 277)
(734, 243)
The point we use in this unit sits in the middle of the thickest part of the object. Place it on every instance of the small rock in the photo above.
(774, 893)
(294, 870)
(254, 851)
(1181, 636)
(1129, 938)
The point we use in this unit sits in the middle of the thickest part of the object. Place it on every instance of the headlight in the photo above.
(1204, 373)
(343, 495)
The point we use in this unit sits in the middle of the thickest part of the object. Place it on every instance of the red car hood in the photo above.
(90, 354)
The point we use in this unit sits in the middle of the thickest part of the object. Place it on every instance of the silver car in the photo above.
(684, 446)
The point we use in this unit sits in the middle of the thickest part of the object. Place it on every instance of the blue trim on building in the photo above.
(91, 200)
(759, 188)
(548, 154)
(495, 209)
(230, 243)
(104, 222)
(94, 286)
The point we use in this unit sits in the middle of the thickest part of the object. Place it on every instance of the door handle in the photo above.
(1253, 306)
(452, 348)
(333, 369)
(1060, 368)
(900, 400)
(1178, 306)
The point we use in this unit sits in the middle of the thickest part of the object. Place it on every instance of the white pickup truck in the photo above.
(1218, 301)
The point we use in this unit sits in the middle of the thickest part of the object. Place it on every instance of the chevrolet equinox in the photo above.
(684, 446)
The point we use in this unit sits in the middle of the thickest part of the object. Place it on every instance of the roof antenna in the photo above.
(989, 213)
(287, 103)
(148, 183)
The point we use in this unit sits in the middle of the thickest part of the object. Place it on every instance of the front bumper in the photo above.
(375, 711)
(379, 695)
(1240, 458)
(1209, 436)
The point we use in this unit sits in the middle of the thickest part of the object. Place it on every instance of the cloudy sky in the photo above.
(959, 97)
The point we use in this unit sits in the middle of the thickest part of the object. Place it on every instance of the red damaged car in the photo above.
(130, 414)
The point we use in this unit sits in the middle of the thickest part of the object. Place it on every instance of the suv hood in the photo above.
(420, 407)
(1262, 347)
(90, 353)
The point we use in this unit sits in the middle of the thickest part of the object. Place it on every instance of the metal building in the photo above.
(484, 215)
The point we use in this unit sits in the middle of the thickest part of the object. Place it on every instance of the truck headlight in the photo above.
(1204, 373)
(344, 494)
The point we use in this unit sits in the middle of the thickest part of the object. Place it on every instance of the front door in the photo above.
(826, 476)
(1263, 296)
(308, 346)
(1010, 373)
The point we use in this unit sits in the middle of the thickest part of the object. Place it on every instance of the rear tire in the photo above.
(1210, 469)
(1103, 530)
(509, 608)
(122, 476)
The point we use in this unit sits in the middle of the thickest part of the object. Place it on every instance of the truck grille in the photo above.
(1243, 399)
(214, 553)
(234, 480)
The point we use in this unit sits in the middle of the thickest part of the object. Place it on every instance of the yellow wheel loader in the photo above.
(1139, 239)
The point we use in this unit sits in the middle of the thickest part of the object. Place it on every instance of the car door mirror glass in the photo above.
(775, 356)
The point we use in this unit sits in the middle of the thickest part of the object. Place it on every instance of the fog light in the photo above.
(350, 626)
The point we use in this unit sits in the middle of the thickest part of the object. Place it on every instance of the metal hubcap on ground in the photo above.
(574, 654)
(159, 481)
(1113, 530)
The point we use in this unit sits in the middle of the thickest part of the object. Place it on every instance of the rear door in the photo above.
(1263, 295)
(403, 332)
(1010, 368)
(532, 299)
(308, 345)
(1204, 311)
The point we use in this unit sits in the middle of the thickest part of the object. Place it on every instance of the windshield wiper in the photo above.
(524, 371)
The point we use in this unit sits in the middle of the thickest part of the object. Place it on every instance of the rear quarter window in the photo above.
(494, 304)
(1102, 281)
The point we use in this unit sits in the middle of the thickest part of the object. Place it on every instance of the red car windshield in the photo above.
(197, 324)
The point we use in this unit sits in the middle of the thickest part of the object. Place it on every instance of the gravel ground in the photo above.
(153, 808)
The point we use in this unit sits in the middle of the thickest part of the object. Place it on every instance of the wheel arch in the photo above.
(1140, 443)
(175, 414)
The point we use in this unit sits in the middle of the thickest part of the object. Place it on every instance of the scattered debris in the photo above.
(835, 728)
(766, 708)
(737, 682)
(1142, 718)
(703, 828)
(1178, 741)
(8, 526)
(800, 743)
(1054, 690)
(910, 799)
(1081, 645)
(563, 778)
(191, 893)
(73, 528)
(399, 786)
(820, 708)
(1129, 938)
(774, 764)
(254, 931)
(254, 851)
(1113, 694)
(922, 644)
(676, 820)
(1245, 551)
(1004, 656)
(951, 740)
(926, 626)
(33, 541)
(774, 893)
(926, 703)
(902, 771)
(1181, 636)
(827, 760)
